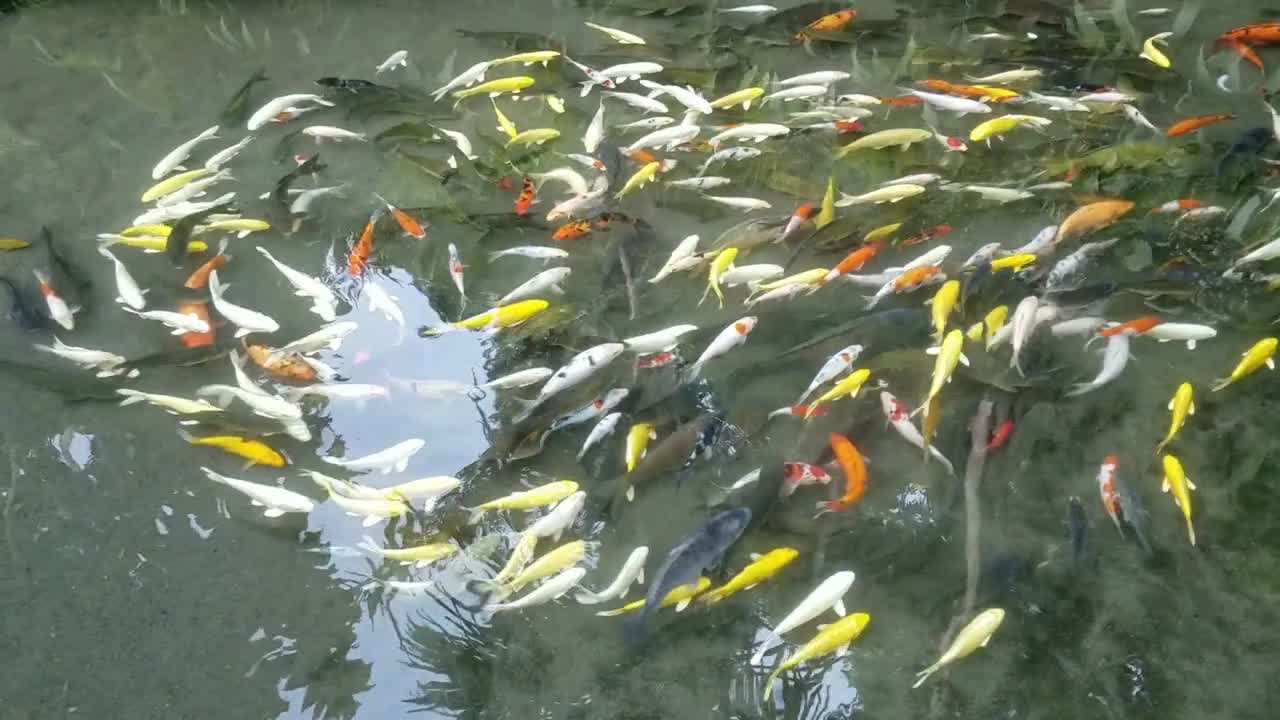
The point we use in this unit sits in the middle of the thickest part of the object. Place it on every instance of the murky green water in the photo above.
(132, 587)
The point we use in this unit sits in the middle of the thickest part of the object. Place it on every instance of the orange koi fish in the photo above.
(854, 261)
(1264, 32)
(1107, 488)
(528, 196)
(407, 222)
(848, 126)
(1000, 436)
(289, 367)
(200, 277)
(916, 277)
(1182, 127)
(835, 22)
(900, 100)
(644, 157)
(798, 218)
(1133, 327)
(855, 475)
(572, 231)
(359, 259)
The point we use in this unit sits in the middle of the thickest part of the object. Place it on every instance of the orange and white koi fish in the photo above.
(456, 272)
(58, 308)
(360, 252)
(1107, 488)
(1132, 327)
(801, 215)
(408, 223)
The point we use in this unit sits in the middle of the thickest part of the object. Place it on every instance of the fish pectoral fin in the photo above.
(964, 359)
(639, 578)
(1169, 406)
(1164, 486)
(755, 557)
(631, 493)
(1190, 485)
(370, 521)
(680, 606)
(842, 650)
(256, 503)
(1271, 364)
(1191, 410)
(272, 512)
(839, 607)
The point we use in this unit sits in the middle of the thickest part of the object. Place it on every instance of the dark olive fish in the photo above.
(351, 85)
(79, 281)
(1132, 512)
(665, 457)
(21, 311)
(310, 166)
(175, 246)
(1077, 529)
(73, 386)
(686, 562)
(237, 108)
(1249, 142)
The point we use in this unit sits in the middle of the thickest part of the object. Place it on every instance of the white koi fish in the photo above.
(632, 572)
(178, 155)
(728, 339)
(322, 299)
(275, 106)
(829, 595)
(836, 365)
(247, 321)
(395, 458)
(275, 501)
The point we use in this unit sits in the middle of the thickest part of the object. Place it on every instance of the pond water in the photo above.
(134, 587)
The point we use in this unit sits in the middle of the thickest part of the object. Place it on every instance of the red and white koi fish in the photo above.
(801, 215)
(1107, 488)
(456, 272)
(796, 474)
(900, 418)
(58, 308)
(728, 339)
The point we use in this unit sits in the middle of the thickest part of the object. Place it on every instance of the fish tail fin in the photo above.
(1191, 532)
(188, 437)
(1220, 384)
(474, 517)
(924, 675)
(42, 277)
(215, 477)
(368, 545)
(131, 397)
(758, 657)
(768, 684)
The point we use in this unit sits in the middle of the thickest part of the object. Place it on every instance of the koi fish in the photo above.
(855, 475)
(1152, 53)
(854, 261)
(456, 272)
(834, 638)
(679, 596)
(925, 235)
(198, 312)
(638, 438)
(200, 277)
(61, 313)
(358, 261)
(1132, 327)
(838, 363)
(255, 452)
(942, 305)
(849, 385)
(762, 568)
(950, 353)
(973, 636)
(1107, 490)
(798, 474)
(642, 177)
(540, 496)
(831, 23)
(572, 230)
(494, 88)
(1254, 358)
(1093, 216)
(729, 338)
(1182, 127)
(275, 501)
(900, 418)
(1000, 436)
(286, 366)
(719, 266)
(528, 196)
(1175, 479)
(407, 222)
(798, 218)
(498, 318)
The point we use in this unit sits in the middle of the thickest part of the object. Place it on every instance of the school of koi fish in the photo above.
(567, 160)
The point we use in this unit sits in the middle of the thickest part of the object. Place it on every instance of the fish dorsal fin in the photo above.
(932, 350)
(1170, 405)
(1190, 485)
(964, 359)
(755, 557)
(839, 607)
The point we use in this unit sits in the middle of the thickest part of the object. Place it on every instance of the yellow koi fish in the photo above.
(827, 214)
(814, 276)
(638, 443)
(173, 183)
(1152, 53)
(555, 103)
(536, 136)
(521, 554)
(241, 226)
(881, 233)
(527, 58)
(763, 567)
(540, 496)
(973, 636)
(850, 386)
(680, 597)
(255, 451)
(561, 558)
(500, 317)
(1014, 262)
(505, 126)
(995, 320)
(1254, 358)
(156, 230)
(835, 637)
(151, 244)
(642, 177)
(719, 265)
(950, 353)
(1001, 125)
(897, 137)
(419, 556)
(494, 88)
(742, 97)
(942, 304)
(1175, 478)
(1180, 406)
